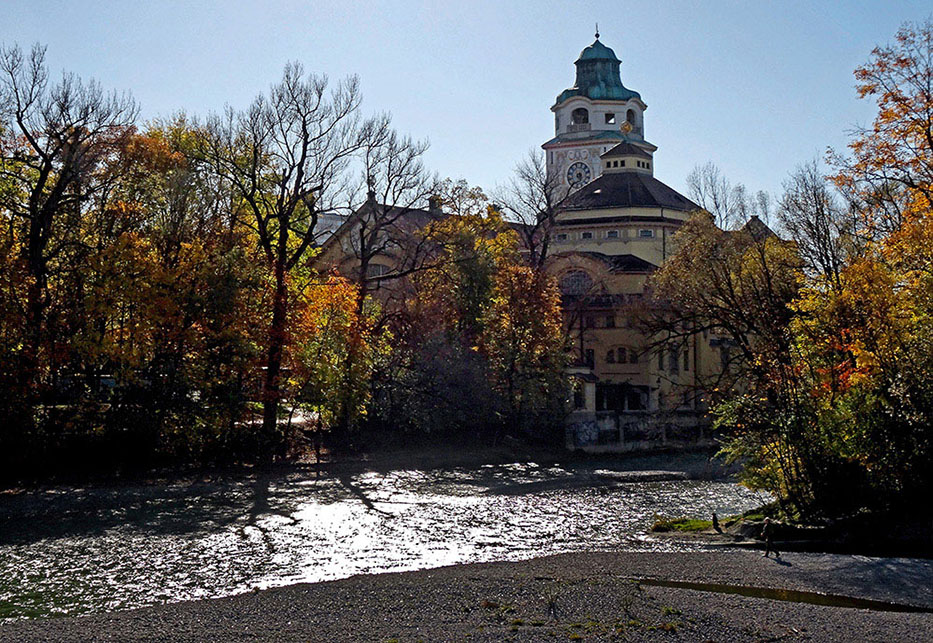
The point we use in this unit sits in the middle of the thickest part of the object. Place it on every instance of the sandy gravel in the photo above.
(568, 597)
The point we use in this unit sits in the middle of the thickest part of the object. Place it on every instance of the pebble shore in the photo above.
(588, 596)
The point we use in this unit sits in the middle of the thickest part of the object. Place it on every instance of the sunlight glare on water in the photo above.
(105, 548)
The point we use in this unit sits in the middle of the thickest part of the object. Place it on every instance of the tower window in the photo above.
(646, 233)
(579, 116)
(586, 235)
(612, 234)
(630, 116)
(610, 119)
(622, 163)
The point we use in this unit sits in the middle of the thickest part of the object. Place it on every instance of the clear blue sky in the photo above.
(756, 87)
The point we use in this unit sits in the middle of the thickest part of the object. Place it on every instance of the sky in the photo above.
(756, 87)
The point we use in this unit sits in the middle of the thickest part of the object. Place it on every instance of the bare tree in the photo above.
(461, 199)
(731, 205)
(533, 198)
(389, 224)
(811, 213)
(53, 140)
(285, 157)
(397, 185)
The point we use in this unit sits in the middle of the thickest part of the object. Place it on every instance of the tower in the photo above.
(592, 117)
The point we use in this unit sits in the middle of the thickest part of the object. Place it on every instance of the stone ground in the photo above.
(590, 596)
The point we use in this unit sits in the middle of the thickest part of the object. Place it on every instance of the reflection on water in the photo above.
(106, 548)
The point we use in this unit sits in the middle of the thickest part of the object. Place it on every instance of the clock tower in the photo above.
(592, 117)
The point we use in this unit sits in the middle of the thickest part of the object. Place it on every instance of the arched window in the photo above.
(630, 117)
(579, 116)
(610, 356)
(575, 282)
(633, 356)
(622, 359)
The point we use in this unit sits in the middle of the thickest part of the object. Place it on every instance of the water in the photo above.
(791, 596)
(80, 550)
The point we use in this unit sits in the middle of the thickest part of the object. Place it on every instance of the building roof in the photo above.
(622, 263)
(598, 51)
(598, 76)
(627, 190)
(625, 149)
(758, 229)
(401, 221)
(615, 263)
(578, 137)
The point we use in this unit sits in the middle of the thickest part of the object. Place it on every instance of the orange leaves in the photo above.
(152, 153)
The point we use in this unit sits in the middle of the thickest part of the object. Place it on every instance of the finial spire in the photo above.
(597, 31)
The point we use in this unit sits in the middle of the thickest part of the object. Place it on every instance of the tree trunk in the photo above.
(271, 393)
(341, 432)
(35, 312)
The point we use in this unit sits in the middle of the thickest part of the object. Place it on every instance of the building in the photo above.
(612, 231)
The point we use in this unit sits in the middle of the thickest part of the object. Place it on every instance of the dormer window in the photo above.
(610, 119)
(579, 116)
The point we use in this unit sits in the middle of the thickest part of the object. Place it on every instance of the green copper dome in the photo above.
(598, 51)
(598, 76)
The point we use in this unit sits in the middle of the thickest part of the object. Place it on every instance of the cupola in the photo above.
(626, 157)
(598, 76)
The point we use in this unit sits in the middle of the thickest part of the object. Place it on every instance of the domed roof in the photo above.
(598, 51)
(598, 76)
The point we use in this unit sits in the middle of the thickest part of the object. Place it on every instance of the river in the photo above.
(73, 550)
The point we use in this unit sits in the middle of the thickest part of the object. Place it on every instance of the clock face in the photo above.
(578, 174)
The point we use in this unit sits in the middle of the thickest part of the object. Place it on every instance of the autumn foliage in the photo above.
(830, 406)
(160, 301)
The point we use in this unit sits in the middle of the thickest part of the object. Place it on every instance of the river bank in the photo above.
(587, 596)
(694, 463)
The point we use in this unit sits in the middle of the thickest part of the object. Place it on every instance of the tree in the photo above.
(54, 140)
(461, 199)
(522, 338)
(389, 224)
(284, 157)
(811, 213)
(835, 417)
(730, 205)
(533, 198)
(890, 172)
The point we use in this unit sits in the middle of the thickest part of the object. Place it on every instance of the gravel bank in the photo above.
(587, 596)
